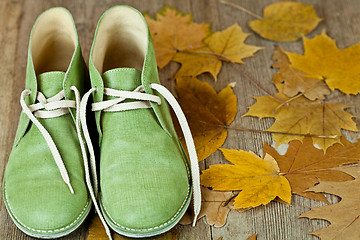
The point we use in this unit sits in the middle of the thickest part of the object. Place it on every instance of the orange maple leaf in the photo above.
(173, 31)
(207, 112)
(305, 165)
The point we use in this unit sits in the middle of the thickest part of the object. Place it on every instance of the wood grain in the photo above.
(273, 221)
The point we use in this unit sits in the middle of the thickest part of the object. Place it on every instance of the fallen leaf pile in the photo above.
(193, 46)
(302, 116)
(300, 81)
(305, 115)
(168, 40)
(227, 45)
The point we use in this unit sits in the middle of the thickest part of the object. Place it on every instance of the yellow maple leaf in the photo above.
(259, 179)
(286, 21)
(340, 68)
(295, 81)
(302, 116)
(227, 45)
(173, 31)
(207, 112)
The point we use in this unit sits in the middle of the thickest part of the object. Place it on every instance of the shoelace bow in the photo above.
(57, 106)
(144, 100)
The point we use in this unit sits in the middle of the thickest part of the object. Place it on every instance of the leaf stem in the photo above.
(267, 131)
(322, 169)
(246, 73)
(229, 200)
(287, 101)
(284, 133)
(240, 8)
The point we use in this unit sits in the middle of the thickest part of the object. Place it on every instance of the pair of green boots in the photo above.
(146, 181)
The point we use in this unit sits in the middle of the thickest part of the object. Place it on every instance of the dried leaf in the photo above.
(227, 45)
(302, 116)
(340, 68)
(97, 232)
(304, 165)
(253, 237)
(343, 216)
(187, 218)
(212, 207)
(295, 81)
(173, 31)
(286, 21)
(259, 179)
(207, 112)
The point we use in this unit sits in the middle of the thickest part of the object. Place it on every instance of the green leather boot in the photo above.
(146, 181)
(44, 183)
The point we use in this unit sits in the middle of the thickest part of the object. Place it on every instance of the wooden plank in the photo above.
(9, 32)
(274, 221)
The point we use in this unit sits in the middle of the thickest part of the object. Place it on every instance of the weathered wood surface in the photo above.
(274, 221)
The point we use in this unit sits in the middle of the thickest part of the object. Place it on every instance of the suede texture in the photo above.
(36, 197)
(144, 180)
(144, 173)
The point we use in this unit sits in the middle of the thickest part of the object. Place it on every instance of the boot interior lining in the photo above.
(121, 40)
(53, 41)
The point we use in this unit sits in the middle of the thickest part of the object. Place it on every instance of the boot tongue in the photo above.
(50, 83)
(126, 79)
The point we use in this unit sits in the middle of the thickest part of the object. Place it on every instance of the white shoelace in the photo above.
(55, 106)
(117, 104)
